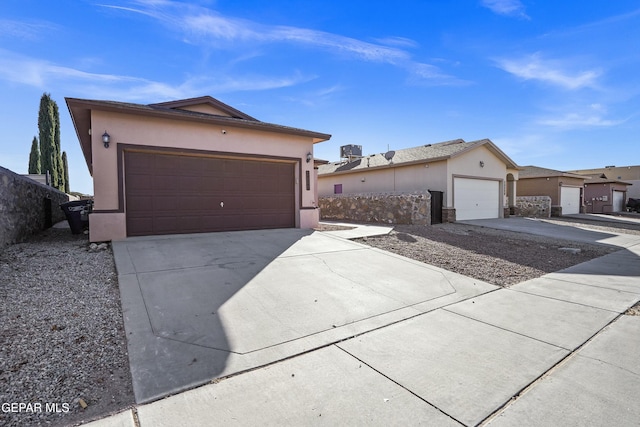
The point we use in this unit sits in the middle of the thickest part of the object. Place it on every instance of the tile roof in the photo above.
(422, 154)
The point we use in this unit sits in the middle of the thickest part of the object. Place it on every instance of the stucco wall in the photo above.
(422, 177)
(135, 130)
(533, 206)
(22, 207)
(467, 165)
(378, 208)
(594, 195)
(547, 186)
(437, 176)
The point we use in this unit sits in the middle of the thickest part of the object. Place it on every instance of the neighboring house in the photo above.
(629, 174)
(604, 195)
(564, 188)
(193, 165)
(473, 176)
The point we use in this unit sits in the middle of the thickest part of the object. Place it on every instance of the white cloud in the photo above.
(533, 67)
(506, 7)
(43, 74)
(579, 120)
(199, 25)
(24, 30)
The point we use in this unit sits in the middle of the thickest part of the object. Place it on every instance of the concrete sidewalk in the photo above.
(550, 351)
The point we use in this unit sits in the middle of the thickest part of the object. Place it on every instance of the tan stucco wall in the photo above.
(547, 187)
(467, 165)
(540, 187)
(155, 132)
(402, 179)
(436, 176)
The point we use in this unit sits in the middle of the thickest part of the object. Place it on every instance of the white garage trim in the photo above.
(570, 200)
(476, 198)
(618, 201)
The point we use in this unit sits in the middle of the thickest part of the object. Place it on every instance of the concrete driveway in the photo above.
(199, 307)
(364, 337)
(569, 232)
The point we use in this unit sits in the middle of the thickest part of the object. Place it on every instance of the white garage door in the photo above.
(618, 201)
(476, 198)
(570, 200)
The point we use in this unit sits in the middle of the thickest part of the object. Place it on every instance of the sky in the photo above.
(554, 84)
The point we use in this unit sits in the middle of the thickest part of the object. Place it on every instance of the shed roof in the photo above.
(415, 155)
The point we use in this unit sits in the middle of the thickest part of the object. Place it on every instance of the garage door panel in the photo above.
(168, 194)
(570, 200)
(618, 201)
(476, 198)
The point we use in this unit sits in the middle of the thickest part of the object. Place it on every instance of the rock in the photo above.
(571, 250)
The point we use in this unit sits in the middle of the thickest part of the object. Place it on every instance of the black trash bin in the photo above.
(77, 214)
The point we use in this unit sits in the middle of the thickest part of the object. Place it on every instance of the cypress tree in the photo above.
(34, 157)
(56, 141)
(46, 132)
(65, 167)
(49, 130)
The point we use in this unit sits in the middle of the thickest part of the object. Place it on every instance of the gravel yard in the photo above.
(499, 257)
(62, 341)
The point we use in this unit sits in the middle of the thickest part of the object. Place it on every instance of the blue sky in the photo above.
(553, 84)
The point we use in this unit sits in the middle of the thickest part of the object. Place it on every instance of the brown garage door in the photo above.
(169, 194)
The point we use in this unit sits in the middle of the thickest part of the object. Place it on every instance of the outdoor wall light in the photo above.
(106, 139)
(481, 164)
(309, 157)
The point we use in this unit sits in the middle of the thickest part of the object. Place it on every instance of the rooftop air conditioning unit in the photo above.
(351, 151)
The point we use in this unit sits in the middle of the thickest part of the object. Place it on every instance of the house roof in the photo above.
(538, 172)
(415, 155)
(80, 111)
(208, 100)
(602, 179)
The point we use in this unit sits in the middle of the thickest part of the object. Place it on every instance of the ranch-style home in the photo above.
(193, 165)
(565, 189)
(628, 174)
(605, 195)
(475, 179)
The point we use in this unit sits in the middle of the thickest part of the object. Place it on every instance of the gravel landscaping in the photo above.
(499, 257)
(62, 341)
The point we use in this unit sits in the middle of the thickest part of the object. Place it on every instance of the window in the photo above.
(337, 189)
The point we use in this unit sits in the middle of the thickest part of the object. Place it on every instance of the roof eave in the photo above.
(76, 105)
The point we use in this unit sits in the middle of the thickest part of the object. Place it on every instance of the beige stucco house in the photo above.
(476, 178)
(193, 165)
(565, 189)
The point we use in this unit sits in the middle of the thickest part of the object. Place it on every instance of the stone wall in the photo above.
(26, 207)
(448, 215)
(385, 208)
(533, 206)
